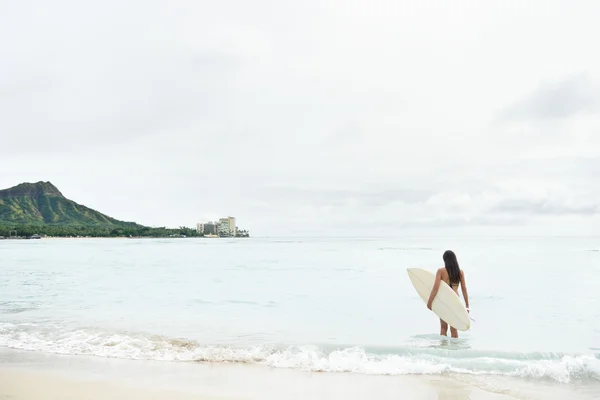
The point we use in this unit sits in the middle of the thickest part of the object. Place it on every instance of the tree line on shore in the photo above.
(95, 231)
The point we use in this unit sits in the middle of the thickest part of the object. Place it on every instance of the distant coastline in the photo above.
(14, 232)
(37, 210)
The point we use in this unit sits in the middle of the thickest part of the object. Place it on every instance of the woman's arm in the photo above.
(463, 286)
(436, 287)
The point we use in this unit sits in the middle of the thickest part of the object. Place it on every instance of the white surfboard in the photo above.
(446, 305)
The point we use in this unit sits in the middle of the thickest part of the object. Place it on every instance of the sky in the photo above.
(315, 117)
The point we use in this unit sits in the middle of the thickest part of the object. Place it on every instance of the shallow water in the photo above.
(310, 304)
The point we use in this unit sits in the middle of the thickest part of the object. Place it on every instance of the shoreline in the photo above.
(96, 378)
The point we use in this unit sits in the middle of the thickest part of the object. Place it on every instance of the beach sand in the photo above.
(38, 376)
(16, 384)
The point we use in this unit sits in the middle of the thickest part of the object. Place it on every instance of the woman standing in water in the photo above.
(452, 275)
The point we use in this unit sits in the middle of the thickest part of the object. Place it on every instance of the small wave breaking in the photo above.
(562, 368)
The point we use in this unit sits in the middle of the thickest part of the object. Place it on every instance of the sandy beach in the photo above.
(21, 384)
(17, 384)
(35, 376)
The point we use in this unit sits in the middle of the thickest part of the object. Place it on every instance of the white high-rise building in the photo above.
(227, 226)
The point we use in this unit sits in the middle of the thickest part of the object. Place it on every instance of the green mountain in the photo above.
(42, 203)
(29, 210)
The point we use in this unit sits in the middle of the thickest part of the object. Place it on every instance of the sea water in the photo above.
(316, 304)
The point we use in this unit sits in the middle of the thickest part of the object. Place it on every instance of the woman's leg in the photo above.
(443, 328)
(454, 332)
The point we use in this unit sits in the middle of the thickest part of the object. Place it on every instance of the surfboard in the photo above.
(446, 305)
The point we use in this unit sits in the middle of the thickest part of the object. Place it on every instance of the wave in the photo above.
(563, 368)
(17, 307)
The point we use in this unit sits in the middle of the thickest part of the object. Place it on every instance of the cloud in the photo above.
(556, 101)
(304, 114)
(101, 107)
(370, 197)
(514, 202)
(545, 207)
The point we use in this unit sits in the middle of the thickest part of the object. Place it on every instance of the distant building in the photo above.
(210, 228)
(207, 228)
(227, 226)
(224, 227)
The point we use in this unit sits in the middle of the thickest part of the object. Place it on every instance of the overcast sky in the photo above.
(309, 116)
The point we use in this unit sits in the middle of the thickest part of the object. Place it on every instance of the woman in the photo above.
(452, 275)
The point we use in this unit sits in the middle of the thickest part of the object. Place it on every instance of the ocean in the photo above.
(312, 304)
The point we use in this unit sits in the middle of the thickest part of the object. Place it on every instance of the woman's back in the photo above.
(446, 278)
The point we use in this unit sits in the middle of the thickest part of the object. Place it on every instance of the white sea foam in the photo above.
(563, 368)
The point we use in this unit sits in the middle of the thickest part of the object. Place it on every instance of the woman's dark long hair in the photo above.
(452, 266)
